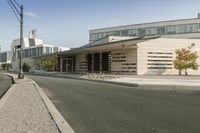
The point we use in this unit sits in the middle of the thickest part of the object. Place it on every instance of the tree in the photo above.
(48, 64)
(186, 59)
(5, 66)
(26, 67)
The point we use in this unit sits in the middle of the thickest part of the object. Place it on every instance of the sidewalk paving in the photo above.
(178, 81)
(172, 80)
(22, 110)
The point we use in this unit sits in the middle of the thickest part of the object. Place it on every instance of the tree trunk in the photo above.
(186, 74)
(180, 72)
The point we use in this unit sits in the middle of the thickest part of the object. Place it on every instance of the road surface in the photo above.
(5, 83)
(92, 107)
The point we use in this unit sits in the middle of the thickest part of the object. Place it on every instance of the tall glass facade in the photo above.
(150, 31)
(3, 57)
(32, 52)
(39, 51)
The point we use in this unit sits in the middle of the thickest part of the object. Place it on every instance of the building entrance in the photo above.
(98, 62)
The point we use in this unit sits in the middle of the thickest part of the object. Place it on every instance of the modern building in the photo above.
(185, 28)
(138, 49)
(5, 59)
(33, 47)
(137, 56)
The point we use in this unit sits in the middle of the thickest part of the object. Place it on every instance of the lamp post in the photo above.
(18, 11)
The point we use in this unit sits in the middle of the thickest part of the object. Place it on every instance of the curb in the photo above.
(13, 82)
(113, 82)
(59, 120)
(6, 95)
(99, 81)
(110, 82)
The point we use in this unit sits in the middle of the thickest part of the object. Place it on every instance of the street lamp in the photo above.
(18, 11)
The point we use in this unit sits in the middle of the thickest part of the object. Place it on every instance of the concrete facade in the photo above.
(137, 56)
(80, 63)
(32, 48)
(157, 56)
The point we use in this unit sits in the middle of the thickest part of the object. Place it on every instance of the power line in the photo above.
(18, 11)
(15, 13)
(15, 7)
(17, 3)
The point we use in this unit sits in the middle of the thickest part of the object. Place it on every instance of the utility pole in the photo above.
(20, 74)
(18, 12)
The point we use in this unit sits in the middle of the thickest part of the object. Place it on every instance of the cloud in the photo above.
(31, 14)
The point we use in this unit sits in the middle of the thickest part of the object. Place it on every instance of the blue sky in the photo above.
(67, 23)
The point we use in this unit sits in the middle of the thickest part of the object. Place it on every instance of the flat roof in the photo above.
(149, 23)
(136, 40)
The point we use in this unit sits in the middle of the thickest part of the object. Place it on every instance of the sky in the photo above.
(67, 22)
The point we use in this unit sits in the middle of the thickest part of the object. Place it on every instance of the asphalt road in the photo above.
(92, 107)
(5, 83)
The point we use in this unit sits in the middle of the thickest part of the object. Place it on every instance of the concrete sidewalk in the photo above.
(177, 81)
(132, 80)
(23, 109)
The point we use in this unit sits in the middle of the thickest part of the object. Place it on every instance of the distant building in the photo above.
(184, 28)
(5, 59)
(33, 47)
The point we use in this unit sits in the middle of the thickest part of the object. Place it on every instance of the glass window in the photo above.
(150, 31)
(29, 52)
(25, 53)
(141, 32)
(194, 27)
(34, 52)
(124, 32)
(116, 33)
(92, 37)
(133, 32)
(99, 35)
(4, 57)
(199, 26)
(161, 31)
(180, 28)
(187, 28)
(47, 50)
(109, 34)
(104, 34)
(171, 29)
(55, 49)
(40, 51)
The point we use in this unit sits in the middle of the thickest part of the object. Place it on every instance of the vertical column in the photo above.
(110, 61)
(100, 62)
(61, 61)
(86, 62)
(92, 62)
(67, 65)
(72, 64)
(58, 65)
